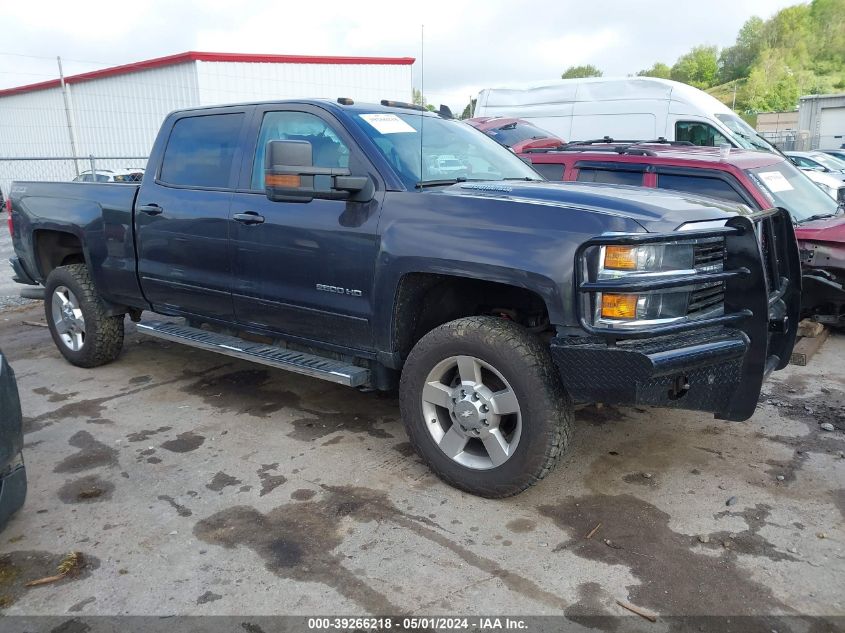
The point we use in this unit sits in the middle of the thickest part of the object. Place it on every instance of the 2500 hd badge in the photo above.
(338, 290)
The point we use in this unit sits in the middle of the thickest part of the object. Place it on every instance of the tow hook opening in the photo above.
(779, 325)
(679, 388)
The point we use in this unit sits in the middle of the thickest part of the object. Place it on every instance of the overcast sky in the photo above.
(468, 45)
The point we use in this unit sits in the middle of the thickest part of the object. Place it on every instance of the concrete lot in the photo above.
(197, 484)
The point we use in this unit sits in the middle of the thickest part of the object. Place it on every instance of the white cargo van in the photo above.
(629, 108)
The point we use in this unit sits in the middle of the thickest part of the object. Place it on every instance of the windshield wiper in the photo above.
(817, 216)
(525, 179)
(440, 183)
(755, 140)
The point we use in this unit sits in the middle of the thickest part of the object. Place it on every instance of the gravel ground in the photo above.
(11, 301)
(9, 290)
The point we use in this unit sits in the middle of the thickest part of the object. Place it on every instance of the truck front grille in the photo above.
(708, 257)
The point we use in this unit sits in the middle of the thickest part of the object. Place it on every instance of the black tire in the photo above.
(103, 337)
(526, 364)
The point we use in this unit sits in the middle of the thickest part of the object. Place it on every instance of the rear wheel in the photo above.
(79, 322)
(484, 407)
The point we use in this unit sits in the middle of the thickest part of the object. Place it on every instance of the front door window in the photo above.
(699, 133)
(328, 150)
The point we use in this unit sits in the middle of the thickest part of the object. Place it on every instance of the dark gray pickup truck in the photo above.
(379, 246)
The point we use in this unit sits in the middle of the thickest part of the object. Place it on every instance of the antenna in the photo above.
(422, 93)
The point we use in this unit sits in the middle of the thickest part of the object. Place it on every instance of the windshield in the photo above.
(517, 132)
(746, 135)
(446, 150)
(794, 191)
(828, 161)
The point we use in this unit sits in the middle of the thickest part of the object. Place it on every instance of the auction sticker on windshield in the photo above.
(775, 181)
(387, 123)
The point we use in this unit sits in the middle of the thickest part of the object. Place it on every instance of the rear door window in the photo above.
(610, 176)
(201, 149)
(549, 171)
(711, 187)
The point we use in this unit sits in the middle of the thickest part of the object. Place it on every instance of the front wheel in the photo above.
(79, 323)
(484, 407)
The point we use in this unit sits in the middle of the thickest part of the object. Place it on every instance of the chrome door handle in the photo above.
(248, 217)
(151, 209)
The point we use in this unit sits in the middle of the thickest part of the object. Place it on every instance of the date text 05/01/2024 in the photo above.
(413, 623)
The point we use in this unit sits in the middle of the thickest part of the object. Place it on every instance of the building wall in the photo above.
(232, 82)
(816, 114)
(115, 116)
(777, 121)
(34, 124)
(120, 115)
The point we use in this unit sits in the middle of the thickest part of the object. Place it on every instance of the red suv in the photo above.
(759, 180)
(517, 134)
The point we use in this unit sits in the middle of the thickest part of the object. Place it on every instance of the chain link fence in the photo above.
(68, 168)
(791, 140)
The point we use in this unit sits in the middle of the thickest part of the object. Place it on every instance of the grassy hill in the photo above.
(798, 51)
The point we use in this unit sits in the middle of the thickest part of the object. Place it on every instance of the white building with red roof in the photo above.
(117, 111)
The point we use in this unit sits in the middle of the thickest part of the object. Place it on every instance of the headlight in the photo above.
(649, 261)
(647, 258)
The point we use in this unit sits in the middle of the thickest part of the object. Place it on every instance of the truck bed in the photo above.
(99, 215)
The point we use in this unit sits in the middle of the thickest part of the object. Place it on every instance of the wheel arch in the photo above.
(425, 299)
(53, 248)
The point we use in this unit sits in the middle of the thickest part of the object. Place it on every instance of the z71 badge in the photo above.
(338, 290)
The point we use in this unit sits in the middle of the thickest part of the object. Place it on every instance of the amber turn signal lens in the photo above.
(290, 181)
(619, 306)
(620, 258)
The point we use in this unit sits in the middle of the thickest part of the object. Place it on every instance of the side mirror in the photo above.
(290, 175)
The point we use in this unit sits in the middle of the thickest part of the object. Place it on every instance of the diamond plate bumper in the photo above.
(699, 371)
(714, 364)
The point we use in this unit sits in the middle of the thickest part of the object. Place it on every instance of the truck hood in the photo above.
(656, 210)
(825, 230)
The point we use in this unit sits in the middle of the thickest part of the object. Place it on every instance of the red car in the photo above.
(759, 180)
(517, 134)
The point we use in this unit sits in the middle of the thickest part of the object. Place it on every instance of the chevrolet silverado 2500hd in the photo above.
(380, 246)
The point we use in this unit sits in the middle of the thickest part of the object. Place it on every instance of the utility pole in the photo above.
(70, 132)
(733, 105)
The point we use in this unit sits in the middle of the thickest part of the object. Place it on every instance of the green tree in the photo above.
(800, 50)
(772, 85)
(790, 31)
(578, 72)
(698, 67)
(659, 70)
(827, 23)
(735, 61)
(469, 109)
(418, 99)
(789, 27)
